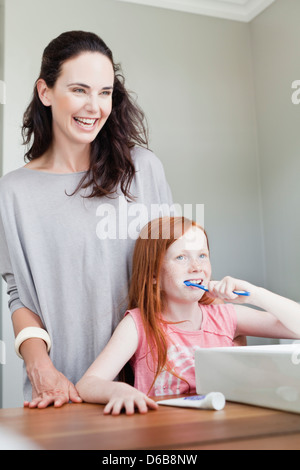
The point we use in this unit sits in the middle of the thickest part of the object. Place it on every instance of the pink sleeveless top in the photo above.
(217, 330)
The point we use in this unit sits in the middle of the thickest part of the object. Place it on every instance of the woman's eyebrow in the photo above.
(79, 84)
(83, 85)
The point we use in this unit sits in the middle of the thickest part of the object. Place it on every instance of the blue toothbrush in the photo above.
(189, 283)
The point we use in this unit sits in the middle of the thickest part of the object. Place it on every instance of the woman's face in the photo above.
(81, 99)
(187, 259)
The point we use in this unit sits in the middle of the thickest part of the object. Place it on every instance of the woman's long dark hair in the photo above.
(110, 162)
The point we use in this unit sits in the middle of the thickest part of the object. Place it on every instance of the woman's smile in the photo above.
(86, 123)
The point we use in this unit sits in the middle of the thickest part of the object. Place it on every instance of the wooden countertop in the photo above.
(84, 427)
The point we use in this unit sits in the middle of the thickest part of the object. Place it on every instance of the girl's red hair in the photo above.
(145, 293)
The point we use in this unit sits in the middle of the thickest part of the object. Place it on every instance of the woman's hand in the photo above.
(50, 387)
(130, 399)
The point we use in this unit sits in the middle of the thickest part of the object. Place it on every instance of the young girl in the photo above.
(167, 320)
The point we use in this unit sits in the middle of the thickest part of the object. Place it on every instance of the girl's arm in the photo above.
(280, 317)
(97, 385)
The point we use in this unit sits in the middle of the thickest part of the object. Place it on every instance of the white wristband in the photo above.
(31, 332)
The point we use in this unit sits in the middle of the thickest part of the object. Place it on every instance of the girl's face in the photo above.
(81, 99)
(187, 259)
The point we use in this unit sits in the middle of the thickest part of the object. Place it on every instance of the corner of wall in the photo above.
(258, 162)
(2, 101)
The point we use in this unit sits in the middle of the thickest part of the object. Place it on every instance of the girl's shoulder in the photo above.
(136, 316)
(143, 346)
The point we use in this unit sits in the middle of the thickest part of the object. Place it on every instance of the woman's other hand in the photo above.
(50, 387)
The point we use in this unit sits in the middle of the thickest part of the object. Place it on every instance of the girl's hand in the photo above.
(130, 399)
(224, 289)
(51, 387)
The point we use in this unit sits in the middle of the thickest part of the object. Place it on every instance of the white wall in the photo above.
(275, 37)
(194, 79)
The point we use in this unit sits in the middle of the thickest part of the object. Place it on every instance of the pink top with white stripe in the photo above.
(217, 330)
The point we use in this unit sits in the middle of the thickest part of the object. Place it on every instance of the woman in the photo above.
(70, 216)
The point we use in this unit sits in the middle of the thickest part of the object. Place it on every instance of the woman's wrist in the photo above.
(31, 332)
(35, 355)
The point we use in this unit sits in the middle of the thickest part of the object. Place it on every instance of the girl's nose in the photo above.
(195, 264)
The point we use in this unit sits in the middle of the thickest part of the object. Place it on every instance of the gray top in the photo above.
(68, 258)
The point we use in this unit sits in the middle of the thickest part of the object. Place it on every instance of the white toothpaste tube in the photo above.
(211, 401)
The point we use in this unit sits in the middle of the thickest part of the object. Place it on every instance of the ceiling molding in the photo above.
(239, 10)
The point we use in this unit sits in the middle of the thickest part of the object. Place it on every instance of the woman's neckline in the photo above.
(52, 172)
